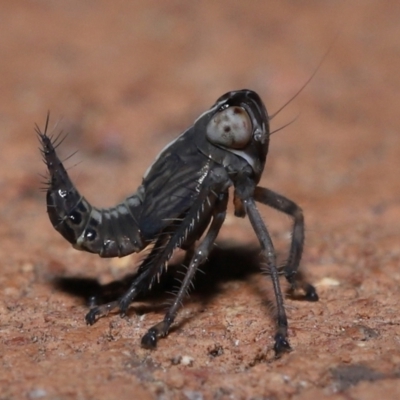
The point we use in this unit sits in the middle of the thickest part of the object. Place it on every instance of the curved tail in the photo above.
(109, 232)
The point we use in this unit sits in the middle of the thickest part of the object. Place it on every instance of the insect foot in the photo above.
(300, 289)
(310, 293)
(97, 312)
(149, 340)
(182, 203)
(281, 345)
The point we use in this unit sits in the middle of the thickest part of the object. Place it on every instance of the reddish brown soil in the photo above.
(128, 77)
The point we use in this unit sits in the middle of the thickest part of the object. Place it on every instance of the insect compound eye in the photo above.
(230, 128)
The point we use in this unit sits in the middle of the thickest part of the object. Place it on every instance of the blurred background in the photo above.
(123, 79)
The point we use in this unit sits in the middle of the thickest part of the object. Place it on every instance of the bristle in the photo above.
(201, 271)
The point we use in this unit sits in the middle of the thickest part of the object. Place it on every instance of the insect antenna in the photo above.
(306, 83)
(286, 125)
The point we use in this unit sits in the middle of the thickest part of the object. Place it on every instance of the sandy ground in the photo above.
(124, 79)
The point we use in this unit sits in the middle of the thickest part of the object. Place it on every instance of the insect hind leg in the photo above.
(141, 282)
(101, 311)
(138, 286)
(149, 340)
(281, 203)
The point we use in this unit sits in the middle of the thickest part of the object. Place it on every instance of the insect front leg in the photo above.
(161, 329)
(281, 203)
(244, 189)
(281, 342)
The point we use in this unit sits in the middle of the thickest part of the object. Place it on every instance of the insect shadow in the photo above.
(227, 262)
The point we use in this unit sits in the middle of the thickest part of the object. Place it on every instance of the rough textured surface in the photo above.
(127, 77)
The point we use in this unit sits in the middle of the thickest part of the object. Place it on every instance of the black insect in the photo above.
(183, 195)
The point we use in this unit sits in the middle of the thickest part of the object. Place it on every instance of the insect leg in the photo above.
(281, 342)
(287, 206)
(140, 283)
(161, 329)
(156, 262)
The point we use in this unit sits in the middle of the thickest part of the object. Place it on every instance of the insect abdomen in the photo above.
(109, 232)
